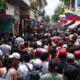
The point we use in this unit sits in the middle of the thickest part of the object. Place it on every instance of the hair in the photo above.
(71, 72)
(53, 65)
(27, 57)
(44, 56)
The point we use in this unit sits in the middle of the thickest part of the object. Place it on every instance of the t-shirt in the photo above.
(52, 76)
(23, 70)
(45, 67)
(5, 48)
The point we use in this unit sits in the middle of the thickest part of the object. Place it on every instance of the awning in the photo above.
(74, 25)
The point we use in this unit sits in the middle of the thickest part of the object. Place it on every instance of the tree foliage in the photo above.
(59, 10)
(3, 4)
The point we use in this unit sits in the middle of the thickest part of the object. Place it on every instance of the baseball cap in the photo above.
(61, 42)
(37, 63)
(70, 56)
(63, 51)
(77, 53)
(65, 46)
(39, 43)
(15, 55)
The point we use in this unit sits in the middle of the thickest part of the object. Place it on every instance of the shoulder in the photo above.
(13, 71)
(45, 76)
(59, 77)
(22, 68)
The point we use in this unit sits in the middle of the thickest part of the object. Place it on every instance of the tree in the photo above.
(47, 18)
(59, 10)
(3, 4)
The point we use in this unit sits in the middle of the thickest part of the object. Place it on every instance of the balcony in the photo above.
(20, 3)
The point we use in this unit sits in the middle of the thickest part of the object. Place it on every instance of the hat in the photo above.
(65, 46)
(37, 63)
(77, 53)
(70, 56)
(15, 55)
(63, 51)
(61, 42)
(39, 43)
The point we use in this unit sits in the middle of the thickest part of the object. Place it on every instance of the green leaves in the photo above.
(3, 4)
(59, 10)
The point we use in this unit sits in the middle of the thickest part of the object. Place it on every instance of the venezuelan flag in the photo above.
(71, 15)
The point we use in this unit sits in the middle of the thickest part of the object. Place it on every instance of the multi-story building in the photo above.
(18, 10)
(14, 17)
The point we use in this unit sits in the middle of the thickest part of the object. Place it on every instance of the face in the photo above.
(15, 61)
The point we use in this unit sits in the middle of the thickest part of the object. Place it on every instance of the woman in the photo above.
(8, 72)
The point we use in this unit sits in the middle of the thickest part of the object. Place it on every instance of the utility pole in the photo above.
(70, 4)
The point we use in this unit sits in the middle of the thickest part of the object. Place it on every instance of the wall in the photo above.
(10, 10)
(32, 14)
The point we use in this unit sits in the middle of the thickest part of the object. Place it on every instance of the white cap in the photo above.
(39, 43)
(65, 46)
(15, 55)
(37, 63)
(70, 56)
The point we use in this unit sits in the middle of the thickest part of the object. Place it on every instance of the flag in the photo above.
(71, 15)
(62, 18)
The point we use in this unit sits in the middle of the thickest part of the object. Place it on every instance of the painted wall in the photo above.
(6, 25)
(10, 10)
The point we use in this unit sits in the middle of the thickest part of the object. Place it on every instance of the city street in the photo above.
(39, 39)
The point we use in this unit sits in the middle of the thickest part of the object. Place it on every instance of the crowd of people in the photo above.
(41, 53)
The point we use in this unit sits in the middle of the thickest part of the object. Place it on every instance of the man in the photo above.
(52, 75)
(71, 73)
(24, 68)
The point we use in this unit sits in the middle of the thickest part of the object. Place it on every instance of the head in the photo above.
(15, 58)
(26, 57)
(53, 66)
(71, 73)
(70, 58)
(37, 63)
(62, 53)
(45, 56)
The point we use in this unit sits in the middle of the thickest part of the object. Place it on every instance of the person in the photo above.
(8, 72)
(52, 75)
(23, 69)
(71, 73)
(71, 60)
(45, 62)
(5, 48)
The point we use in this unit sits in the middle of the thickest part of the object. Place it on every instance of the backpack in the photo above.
(32, 75)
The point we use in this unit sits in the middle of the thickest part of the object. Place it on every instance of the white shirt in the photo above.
(45, 67)
(23, 70)
(5, 48)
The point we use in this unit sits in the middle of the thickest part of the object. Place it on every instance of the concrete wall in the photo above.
(32, 14)
(24, 12)
(10, 10)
